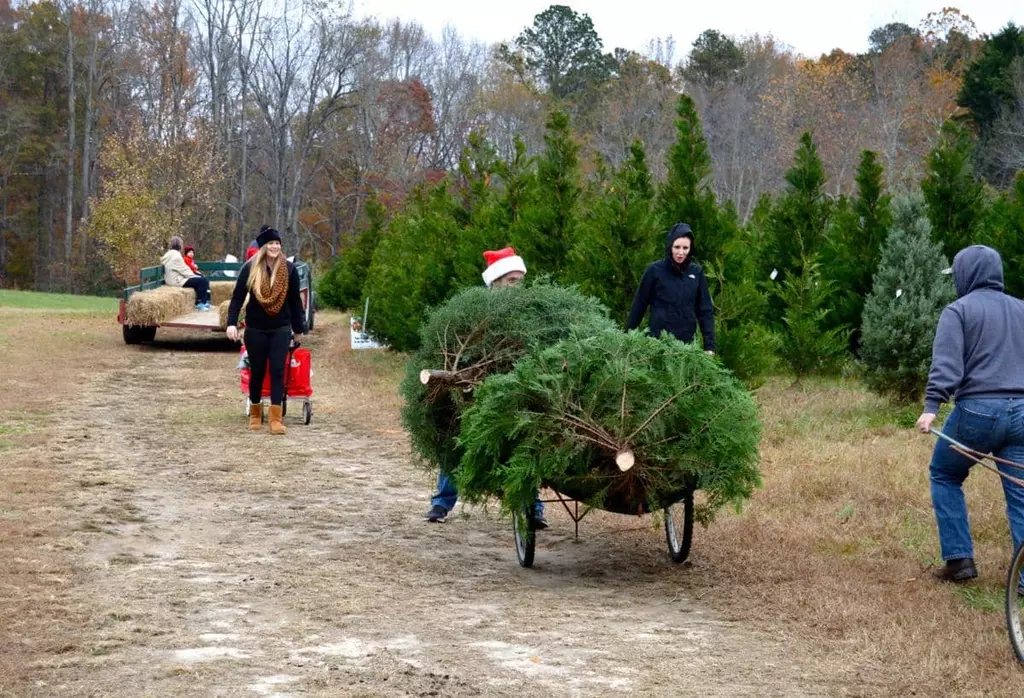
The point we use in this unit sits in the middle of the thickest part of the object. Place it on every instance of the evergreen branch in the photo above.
(598, 435)
(659, 410)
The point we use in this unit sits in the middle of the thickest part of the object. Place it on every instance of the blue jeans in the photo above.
(988, 425)
(447, 494)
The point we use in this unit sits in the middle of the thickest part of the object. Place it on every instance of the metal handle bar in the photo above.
(979, 457)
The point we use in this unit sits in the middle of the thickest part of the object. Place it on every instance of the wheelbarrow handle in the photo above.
(979, 457)
(949, 439)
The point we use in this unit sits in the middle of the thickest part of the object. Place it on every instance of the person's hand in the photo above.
(232, 333)
(924, 422)
(709, 352)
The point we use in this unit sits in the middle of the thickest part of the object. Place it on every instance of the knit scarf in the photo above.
(272, 295)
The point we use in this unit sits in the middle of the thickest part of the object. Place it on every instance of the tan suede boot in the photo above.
(256, 417)
(276, 427)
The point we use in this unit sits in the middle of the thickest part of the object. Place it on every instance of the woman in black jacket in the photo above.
(676, 291)
(273, 315)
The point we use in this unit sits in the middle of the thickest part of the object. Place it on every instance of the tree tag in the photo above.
(899, 292)
(775, 272)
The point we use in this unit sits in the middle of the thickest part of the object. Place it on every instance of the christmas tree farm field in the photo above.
(835, 548)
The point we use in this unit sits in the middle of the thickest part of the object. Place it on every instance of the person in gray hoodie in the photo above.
(978, 361)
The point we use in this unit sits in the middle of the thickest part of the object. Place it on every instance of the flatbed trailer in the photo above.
(153, 277)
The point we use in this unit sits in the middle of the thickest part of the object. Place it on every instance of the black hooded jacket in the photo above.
(677, 295)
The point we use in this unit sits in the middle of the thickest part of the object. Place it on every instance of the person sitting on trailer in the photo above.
(177, 273)
(976, 360)
(189, 255)
(504, 268)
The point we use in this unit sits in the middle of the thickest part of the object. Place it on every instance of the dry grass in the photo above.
(836, 548)
(367, 377)
(37, 350)
(220, 291)
(159, 305)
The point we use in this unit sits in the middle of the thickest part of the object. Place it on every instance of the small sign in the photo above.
(361, 340)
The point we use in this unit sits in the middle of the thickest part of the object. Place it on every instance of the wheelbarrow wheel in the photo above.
(1015, 603)
(307, 412)
(524, 525)
(679, 528)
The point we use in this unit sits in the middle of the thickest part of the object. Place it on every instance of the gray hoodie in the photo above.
(979, 343)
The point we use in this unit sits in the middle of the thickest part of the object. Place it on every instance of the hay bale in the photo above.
(147, 308)
(221, 291)
(222, 308)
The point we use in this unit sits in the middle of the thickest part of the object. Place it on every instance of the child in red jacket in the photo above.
(189, 254)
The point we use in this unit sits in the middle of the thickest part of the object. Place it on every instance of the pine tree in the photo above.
(956, 199)
(619, 236)
(902, 311)
(856, 233)
(519, 182)
(412, 268)
(564, 413)
(746, 343)
(342, 286)
(483, 222)
(549, 220)
(806, 345)
(475, 334)
(686, 196)
(796, 224)
(1005, 233)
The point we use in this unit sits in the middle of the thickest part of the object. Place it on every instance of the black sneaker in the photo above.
(540, 523)
(437, 514)
(957, 571)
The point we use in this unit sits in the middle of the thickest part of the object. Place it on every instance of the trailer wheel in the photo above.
(307, 412)
(136, 334)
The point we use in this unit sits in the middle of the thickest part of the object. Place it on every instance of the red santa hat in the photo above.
(501, 262)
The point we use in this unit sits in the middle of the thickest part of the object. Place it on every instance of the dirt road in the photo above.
(206, 560)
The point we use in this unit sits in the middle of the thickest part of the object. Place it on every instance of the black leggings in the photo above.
(263, 346)
(201, 285)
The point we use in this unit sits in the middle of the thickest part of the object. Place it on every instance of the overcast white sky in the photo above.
(812, 27)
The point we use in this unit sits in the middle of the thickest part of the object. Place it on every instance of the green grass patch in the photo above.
(32, 300)
(982, 598)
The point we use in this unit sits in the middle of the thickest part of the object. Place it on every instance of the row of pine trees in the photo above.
(811, 284)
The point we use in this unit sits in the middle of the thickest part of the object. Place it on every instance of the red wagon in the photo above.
(297, 382)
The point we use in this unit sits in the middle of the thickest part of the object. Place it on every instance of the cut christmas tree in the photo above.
(622, 422)
(478, 333)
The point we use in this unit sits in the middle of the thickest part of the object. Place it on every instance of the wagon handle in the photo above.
(979, 457)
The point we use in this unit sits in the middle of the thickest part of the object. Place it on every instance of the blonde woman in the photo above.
(272, 316)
